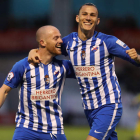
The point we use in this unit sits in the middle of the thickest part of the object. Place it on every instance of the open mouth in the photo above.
(58, 47)
(87, 23)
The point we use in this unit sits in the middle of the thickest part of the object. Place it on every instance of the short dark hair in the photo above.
(89, 4)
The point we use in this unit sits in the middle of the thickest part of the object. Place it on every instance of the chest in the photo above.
(43, 77)
(87, 53)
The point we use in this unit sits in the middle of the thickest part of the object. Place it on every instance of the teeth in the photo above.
(87, 23)
(58, 46)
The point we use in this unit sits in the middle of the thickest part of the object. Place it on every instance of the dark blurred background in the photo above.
(19, 20)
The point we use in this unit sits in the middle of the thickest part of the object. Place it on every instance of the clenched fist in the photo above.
(133, 54)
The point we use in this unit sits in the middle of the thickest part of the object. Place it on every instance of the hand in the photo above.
(34, 57)
(133, 54)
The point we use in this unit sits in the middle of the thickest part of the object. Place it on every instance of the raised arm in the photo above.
(4, 90)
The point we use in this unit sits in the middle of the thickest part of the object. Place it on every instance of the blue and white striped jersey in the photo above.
(40, 94)
(93, 62)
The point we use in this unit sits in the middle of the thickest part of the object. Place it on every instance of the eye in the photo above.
(84, 13)
(93, 15)
(56, 37)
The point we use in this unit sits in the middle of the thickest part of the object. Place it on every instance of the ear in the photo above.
(98, 21)
(42, 43)
(77, 18)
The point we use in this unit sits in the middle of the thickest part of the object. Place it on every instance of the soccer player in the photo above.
(39, 115)
(92, 55)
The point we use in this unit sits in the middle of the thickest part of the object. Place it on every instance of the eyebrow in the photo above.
(87, 12)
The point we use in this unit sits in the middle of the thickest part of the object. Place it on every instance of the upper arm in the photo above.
(15, 76)
(118, 48)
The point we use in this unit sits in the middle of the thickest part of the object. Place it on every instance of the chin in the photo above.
(59, 53)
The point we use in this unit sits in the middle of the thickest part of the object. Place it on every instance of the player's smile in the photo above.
(87, 25)
(58, 47)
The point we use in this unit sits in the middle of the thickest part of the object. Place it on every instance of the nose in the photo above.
(60, 40)
(88, 17)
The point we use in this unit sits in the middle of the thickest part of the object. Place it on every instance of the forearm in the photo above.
(3, 94)
(2, 98)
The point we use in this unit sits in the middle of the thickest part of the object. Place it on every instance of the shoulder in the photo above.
(70, 36)
(62, 62)
(22, 64)
(106, 37)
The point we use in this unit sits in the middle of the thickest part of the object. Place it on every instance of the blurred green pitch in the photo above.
(72, 133)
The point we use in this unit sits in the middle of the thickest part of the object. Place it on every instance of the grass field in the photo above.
(72, 133)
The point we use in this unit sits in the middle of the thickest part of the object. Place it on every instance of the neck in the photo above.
(84, 35)
(45, 56)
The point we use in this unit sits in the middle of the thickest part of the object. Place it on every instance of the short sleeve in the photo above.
(64, 45)
(15, 76)
(118, 48)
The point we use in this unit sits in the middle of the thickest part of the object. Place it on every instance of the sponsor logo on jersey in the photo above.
(119, 42)
(87, 71)
(47, 79)
(10, 76)
(83, 54)
(46, 94)
(94, 48)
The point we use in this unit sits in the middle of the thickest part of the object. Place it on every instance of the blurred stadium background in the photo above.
(19, 20)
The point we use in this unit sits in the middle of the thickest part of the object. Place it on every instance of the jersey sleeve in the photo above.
(118, 48)
(15, 76)
(64, 45)
(69, 69)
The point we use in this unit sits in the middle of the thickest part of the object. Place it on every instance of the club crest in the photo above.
(47, 79)
(56, 73)
(94, 48)
(83, 54)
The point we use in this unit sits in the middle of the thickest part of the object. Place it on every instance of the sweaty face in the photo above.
(53, 43)
(87, 18)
